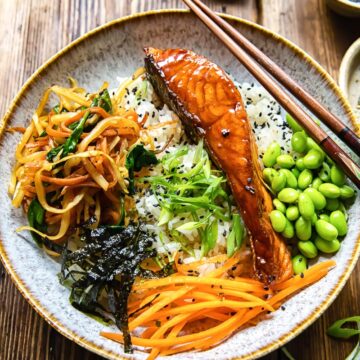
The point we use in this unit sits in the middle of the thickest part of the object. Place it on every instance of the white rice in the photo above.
(268, 125)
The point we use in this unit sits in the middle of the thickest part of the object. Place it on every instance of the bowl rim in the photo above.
(351, 53)
(45, 313)
(350, 4)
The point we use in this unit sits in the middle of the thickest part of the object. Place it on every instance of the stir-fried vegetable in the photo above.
(102, 100)
(137, 158)
(35, 216)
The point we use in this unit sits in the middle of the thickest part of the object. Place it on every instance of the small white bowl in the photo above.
(345, 7)
(349, 75)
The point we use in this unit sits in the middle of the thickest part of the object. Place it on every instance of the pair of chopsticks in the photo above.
(246, 52)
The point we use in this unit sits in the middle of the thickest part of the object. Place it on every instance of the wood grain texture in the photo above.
(33, 30)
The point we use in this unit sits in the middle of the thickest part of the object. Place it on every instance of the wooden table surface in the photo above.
(33, 30)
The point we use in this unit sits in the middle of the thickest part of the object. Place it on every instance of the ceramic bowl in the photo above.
(349, 76)
(345, 7)
(113, 50)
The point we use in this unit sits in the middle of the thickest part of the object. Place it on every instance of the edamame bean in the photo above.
(271, 153)
(298, 142)
(308, 249)
(279, 205)
(288, 195)
(316, 183)
(329, 190)
(300, 164)
(326, 230)
(346, 192)
(278, 182)
(292, 213)
(299, 264)
(324, 173)
(337, 176)
(288, 232)
(306, 206)
(278, 220)
(303, 229)
(291, 180)
(296, 172)
(337, 218)
(305, 179)
(332, 204)
(293, 124)
(324, 217)
(327, 247)
(312, 145)
(317, 198)
(313, 159)
(342, 208)
(269, 174)
(314, 219)
(285, 161)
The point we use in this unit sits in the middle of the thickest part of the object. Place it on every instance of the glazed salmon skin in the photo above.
(210, 107)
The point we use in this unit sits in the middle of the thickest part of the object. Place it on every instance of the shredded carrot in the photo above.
(178, 301)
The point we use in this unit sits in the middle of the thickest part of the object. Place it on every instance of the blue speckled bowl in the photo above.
(115, 49)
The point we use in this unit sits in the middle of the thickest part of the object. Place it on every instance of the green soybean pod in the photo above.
(325, 217)
(298, 142)
(269, 174)
(326, 230)
(312, 145)
(300, 164)
(313, 159)
(279, 205)
(337, 218)
(327, 247)
(285, 161)
(278, 220)
(305, 178)
(316, 183)
(293, 123)
(337, 176)
(278, 182)
(329, 190)
(306, 206)
(299, 264)
(288, 195)
(291, 180)
(271, 153)
(308, 249)
(324, 173)
(303, 229)
(347, 192)
(292, 213)
(296, 172)
(332, 204)
(289, 231)
(317, 198)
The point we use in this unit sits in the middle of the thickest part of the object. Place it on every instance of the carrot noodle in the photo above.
(177, 302)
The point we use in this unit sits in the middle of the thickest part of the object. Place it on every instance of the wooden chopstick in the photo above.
(351, 169)
(329, 119)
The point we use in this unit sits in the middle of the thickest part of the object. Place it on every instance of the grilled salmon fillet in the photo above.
(210, 107)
